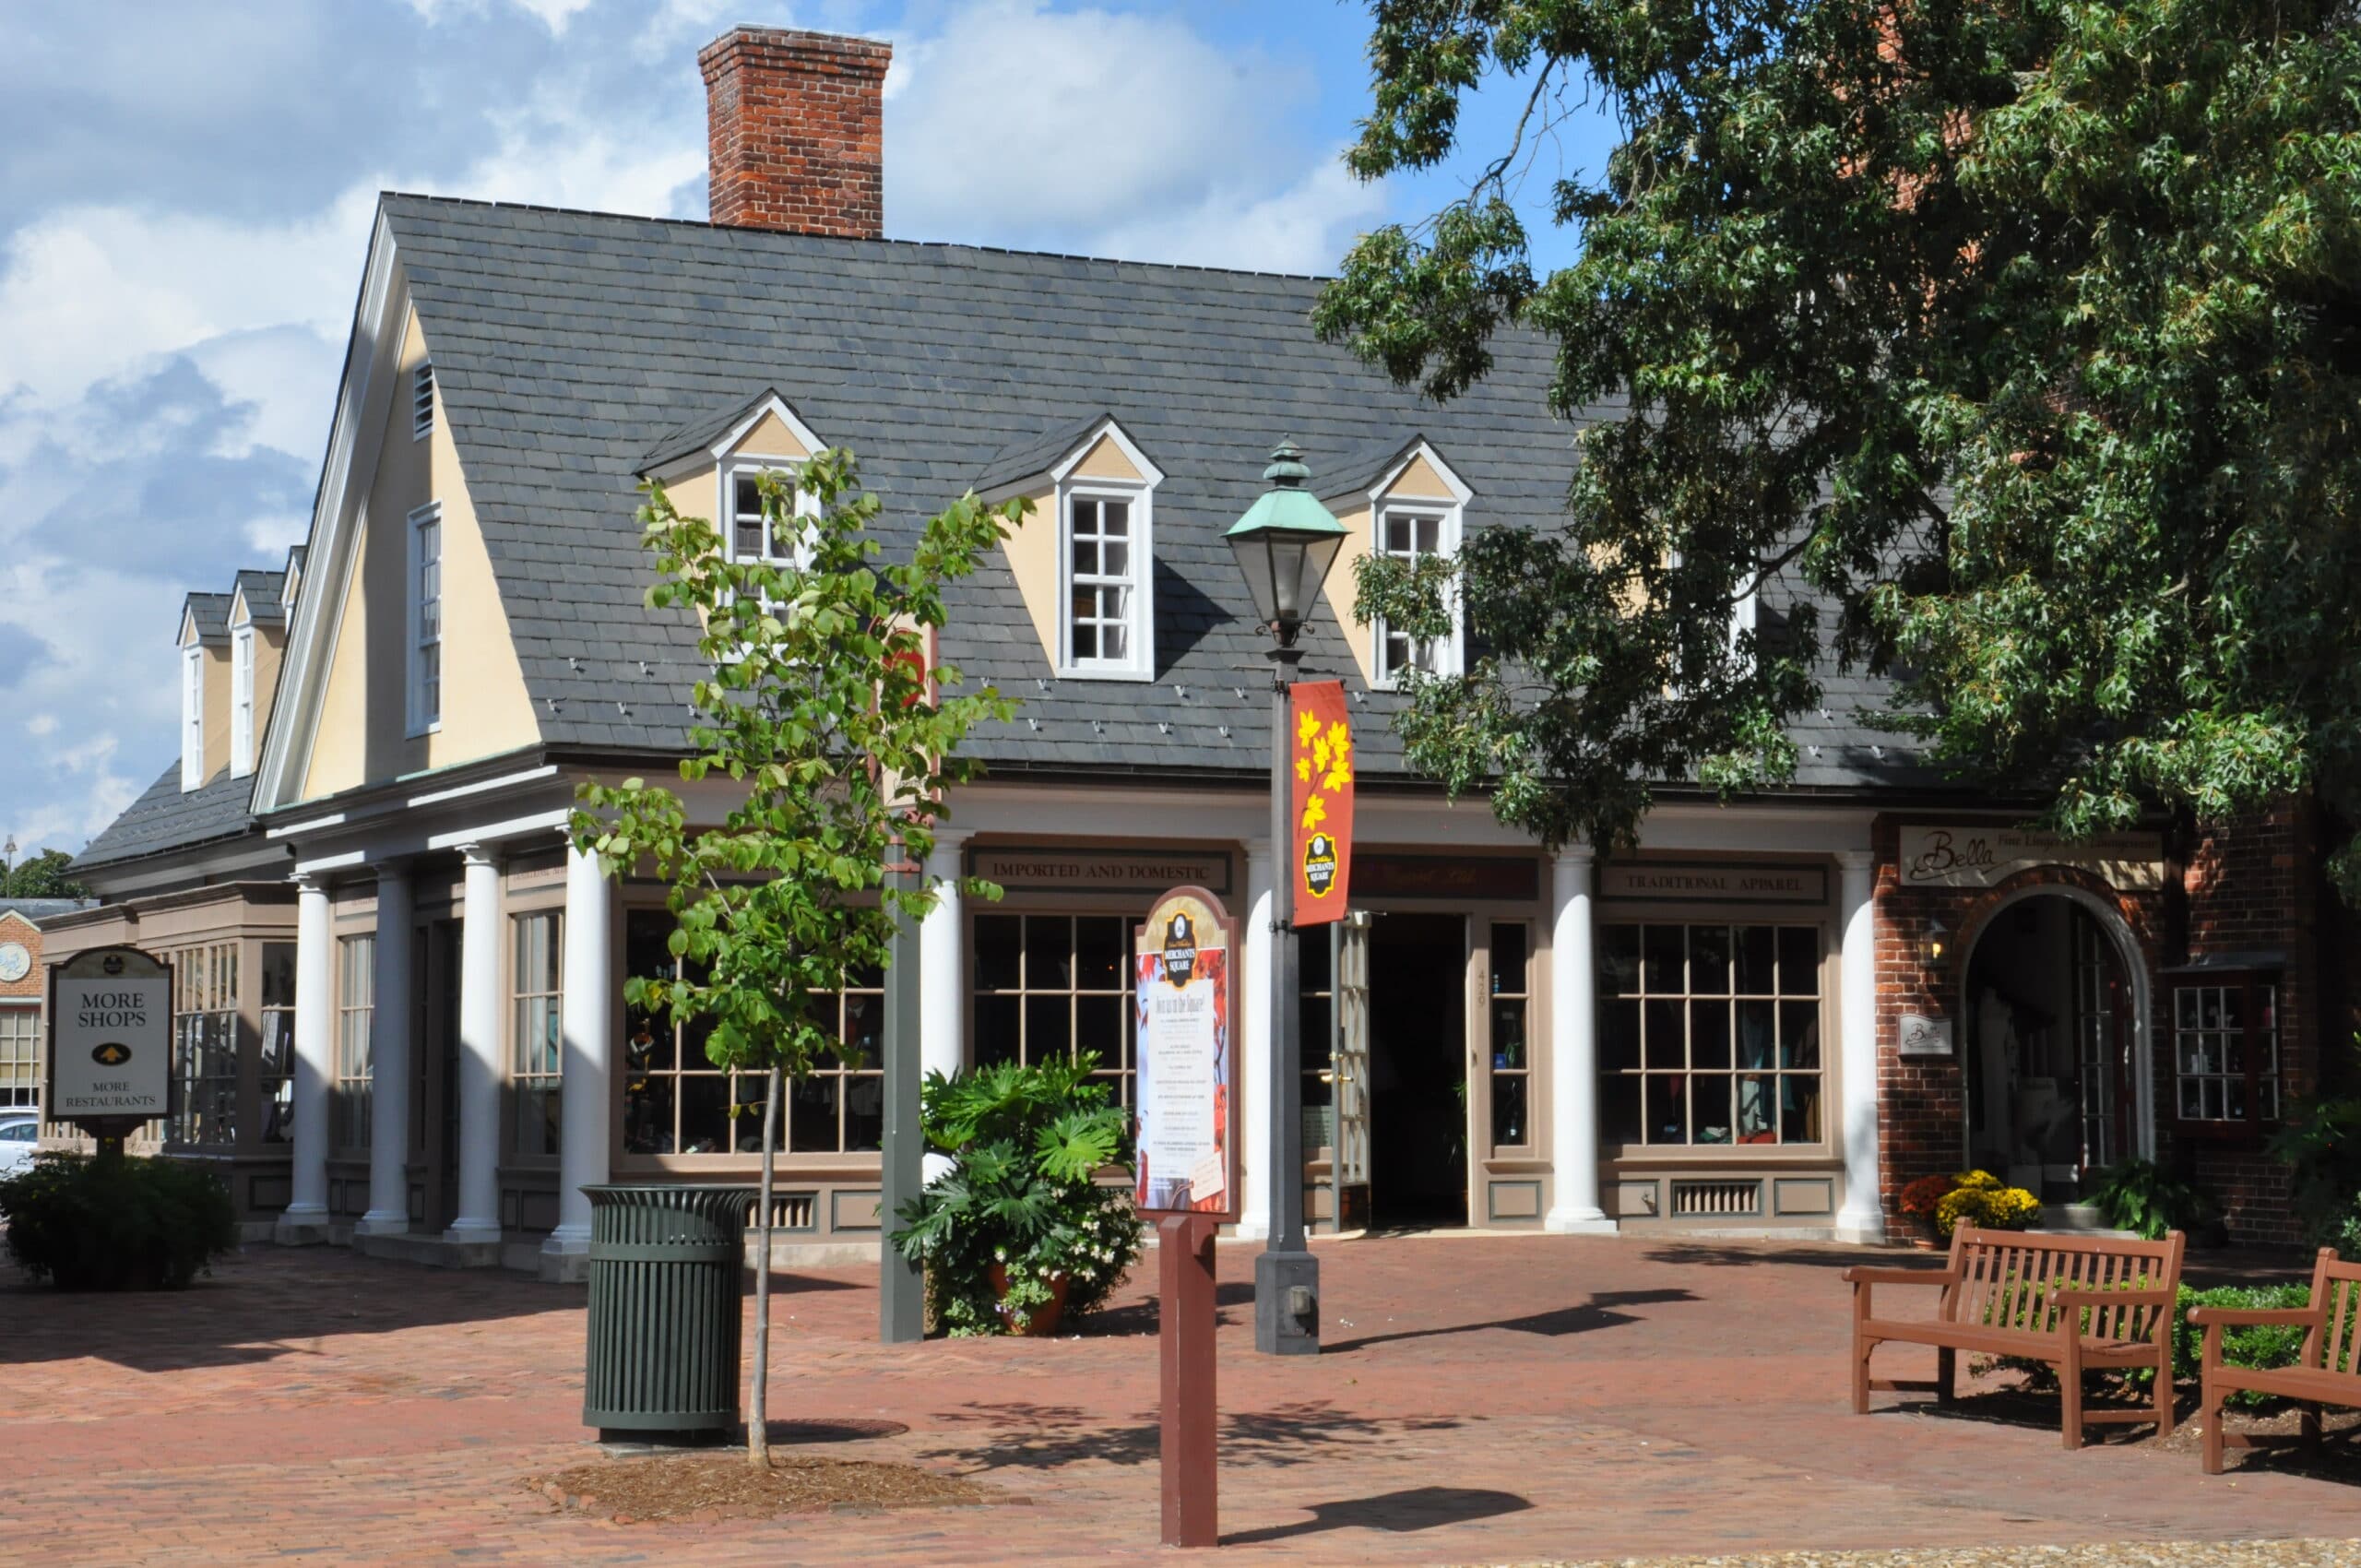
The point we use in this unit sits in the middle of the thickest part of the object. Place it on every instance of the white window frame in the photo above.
(1139, 660)
(750, 465)
(242, 702)
(192, 716)
(1450, 655)
(421, 401)
(424, 704)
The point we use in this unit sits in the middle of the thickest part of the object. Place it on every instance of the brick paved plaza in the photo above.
(1482, 1400)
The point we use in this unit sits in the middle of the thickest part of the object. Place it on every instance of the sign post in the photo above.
(110, 1043)
(1186, 1177)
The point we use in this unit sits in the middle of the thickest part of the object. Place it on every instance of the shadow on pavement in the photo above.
(1602, 1310)
(1420, 1508)
(1140, 1317)
(1029, 1436)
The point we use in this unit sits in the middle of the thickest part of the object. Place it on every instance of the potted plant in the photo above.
(1919, 1200)
(1981, 1199)
(1020, 1233)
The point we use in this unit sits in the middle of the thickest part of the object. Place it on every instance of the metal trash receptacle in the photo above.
(663, 1363)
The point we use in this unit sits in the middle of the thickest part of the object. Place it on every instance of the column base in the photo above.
(1255, 1229)
(565, 1256)
(1578, 1222)
(1863, 1228)
(467, 1233)
(433, 1251)
(382, 1222)
(302, 1225)
(1287, 1303)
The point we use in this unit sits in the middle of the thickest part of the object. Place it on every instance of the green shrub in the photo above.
(2264, 1346)
(2134, 1196)
(118, 1224)
(1027, 1145)
(2320, 1144)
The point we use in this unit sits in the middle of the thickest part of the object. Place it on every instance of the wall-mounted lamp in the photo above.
(1935, 944)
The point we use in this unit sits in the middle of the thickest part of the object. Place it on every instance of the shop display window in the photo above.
(536, 1047)
(1512, 1005)
(356, 961)
(2225, 1049)
(274, 1068)
(1709, 1034)
(20, 1062)
(204, 1045)
(1051, 985)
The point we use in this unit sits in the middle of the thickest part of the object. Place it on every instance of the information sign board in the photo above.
(110, 1037)
(1182, 1008)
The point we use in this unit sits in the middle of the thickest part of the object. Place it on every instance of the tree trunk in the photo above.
(758, 1435)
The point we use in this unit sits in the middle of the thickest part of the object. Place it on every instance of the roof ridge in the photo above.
(857, 240)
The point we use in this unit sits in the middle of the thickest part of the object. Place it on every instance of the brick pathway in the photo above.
(1482, 1400)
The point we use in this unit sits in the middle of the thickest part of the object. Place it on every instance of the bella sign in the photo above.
(111, 1022)
(1984, 854)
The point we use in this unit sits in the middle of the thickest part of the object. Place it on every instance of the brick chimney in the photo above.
(794, 131)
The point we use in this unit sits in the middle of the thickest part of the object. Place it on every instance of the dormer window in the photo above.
(426, 581)
(422, 402)
(1103, 591)
(192, 716)
(242, 702)
(1413, 531)
(750, 537)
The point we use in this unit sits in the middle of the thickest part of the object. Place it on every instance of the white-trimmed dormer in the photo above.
(204, 644)
(710, 468)
(1089, 582)
(1410, 504)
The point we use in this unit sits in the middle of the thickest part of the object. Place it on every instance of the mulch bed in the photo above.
(720, 1484)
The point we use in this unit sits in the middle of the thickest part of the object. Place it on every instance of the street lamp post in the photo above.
(1285, 544)
(9, 887)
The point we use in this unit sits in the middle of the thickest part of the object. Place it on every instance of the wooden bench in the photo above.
(2074, 1301)
(2329, 1372)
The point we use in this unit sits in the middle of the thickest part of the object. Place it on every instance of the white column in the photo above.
(587, 1019)
(942, 970)
(480, 1077)
(1255, 1043)
(1573, 1049)
(1863, 1215)
(390, 1060)
(306, 1218)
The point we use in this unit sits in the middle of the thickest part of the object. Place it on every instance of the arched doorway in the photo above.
(2055, 996)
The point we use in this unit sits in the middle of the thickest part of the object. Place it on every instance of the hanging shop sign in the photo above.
(1322, 800)
(1984, 854)
(1923, 1035)
(110, 1037)
(1182, 1004)
(1712, 882)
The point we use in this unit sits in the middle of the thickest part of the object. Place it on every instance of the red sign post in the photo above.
(1321, 860)
(1186, 1176)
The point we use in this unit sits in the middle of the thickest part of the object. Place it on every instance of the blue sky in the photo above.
(185, 198)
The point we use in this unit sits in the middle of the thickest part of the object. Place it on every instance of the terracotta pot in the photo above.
(1043, 1320)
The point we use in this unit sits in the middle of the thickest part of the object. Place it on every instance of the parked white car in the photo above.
(18, 1129)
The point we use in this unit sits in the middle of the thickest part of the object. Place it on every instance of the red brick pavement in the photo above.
(1482, 1399)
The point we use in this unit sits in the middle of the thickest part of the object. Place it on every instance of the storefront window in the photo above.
(1511, 1061)
(356, 959)
(677, 1101)
(21, 1056)
(204, 1045)
(2226, 1048)
(1051, 985)
(1709, 1034)
(537, 1052)
(1318, 999)
(276, 1068)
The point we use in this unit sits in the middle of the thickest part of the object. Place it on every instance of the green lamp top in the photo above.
(1286, 505)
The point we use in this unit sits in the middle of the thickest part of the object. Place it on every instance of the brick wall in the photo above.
(35, 985)
(794, 126)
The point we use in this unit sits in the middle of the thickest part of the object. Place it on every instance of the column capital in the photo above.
(1575, 854)
(309, 880)
(1856, 859)
(392, 868)
(1259, 848)
(948, 838)
(479, 854)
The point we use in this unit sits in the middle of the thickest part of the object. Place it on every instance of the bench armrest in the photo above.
(2156, 1298)
(1867, 1274)
(2236, 1317)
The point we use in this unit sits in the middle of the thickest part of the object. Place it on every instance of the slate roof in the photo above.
(1031, 455)
(211, 613)
(40, 910)
(167, 818)
(569, 346)
(263, 591)
(699, 433)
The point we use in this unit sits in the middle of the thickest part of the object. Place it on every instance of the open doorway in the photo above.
(1417, 981)
(2050, 1091)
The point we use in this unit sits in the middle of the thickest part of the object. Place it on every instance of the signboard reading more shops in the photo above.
(1187, 1155)
(110, 1037)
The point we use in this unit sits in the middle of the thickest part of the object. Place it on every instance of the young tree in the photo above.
(2027, 333)
(46, 873)
(837, 741)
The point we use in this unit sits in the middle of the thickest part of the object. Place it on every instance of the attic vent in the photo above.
(421, 401)
(1716, 1197)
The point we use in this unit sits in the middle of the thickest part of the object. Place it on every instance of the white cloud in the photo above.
(554, 15)
(1302, 229)
(41, 724)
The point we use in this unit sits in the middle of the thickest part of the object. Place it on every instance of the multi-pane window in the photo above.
(356, 961)
(677, 1101)
(1511, 1013)
(2226, 1048)
(537, 1050)
(242, 701)
(1051, 985)
(1409, 535)
(1316, 992)
(274, 1065)
(20, 1057)
(1709, 1034)
(192, 717)
(426, 618)
(1102, 558)
(751, 536)
(204, 1045)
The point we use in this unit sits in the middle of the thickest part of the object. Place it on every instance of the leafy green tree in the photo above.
(2023, 334)
(836, 741)
(46, 873)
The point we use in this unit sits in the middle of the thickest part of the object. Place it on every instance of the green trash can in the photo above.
(665, 1315)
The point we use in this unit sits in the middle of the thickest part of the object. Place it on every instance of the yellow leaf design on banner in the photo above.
(1306, 727)
(1338, 777)
(1303, 768)
(1315, 811)
(1319, 751)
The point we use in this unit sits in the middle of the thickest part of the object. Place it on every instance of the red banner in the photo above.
(1322, 862)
